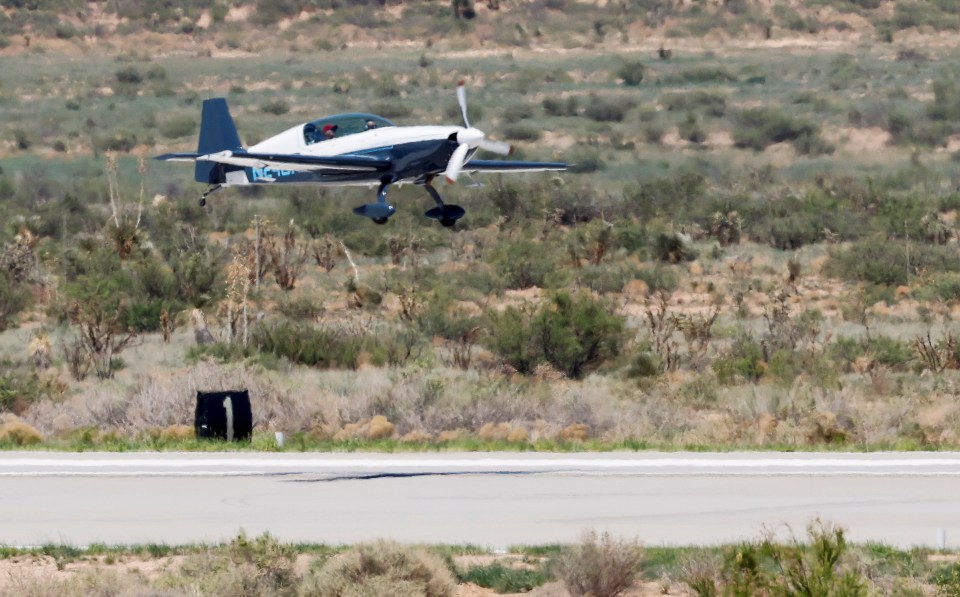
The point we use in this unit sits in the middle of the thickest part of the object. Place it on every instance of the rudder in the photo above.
(217, 133)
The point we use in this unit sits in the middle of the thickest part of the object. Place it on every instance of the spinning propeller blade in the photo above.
(496, 147)
(462, 101)
(469, 138)
(456, 163)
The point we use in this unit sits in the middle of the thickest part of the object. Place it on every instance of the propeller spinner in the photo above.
(469, 138)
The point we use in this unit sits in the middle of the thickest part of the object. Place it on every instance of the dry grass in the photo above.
(382, 568)
(18, 433)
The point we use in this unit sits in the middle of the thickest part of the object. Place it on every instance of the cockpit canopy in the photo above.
(342, 125)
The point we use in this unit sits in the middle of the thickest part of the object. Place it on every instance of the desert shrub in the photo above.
(127, 81)
(820, 567)
(391, 109)
(608, 109)
(743, 360)
(689, 129)
(578, 334)
(881, 350)
(510, 335)
(196, 274)
(301, 307)
(659, 278)
(574, 334)
(18, 433)
(568, 106)
(890, 262)
(708, 73)
(946, 286)
(505, 579)
(260, 566)
(381, 568)
(275, 106)
(307, 345)
(269, 12)
(673, 248)
(756, 128)
(118, 142)
(631, 72)
(524, 263)
(599, 566)
(712, 103)
(608, 278)
(14, 298)
(585, 160)
(517, 112)
(178, 127)
(947, 580)
(21, 139)
(946, 100)
(521, 132)
(667, 195)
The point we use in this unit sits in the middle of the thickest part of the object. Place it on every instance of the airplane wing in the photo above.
(297, 162)
(511, 166)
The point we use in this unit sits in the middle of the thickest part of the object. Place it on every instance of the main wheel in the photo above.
(380, 221)
(203, 201)
(447, 222)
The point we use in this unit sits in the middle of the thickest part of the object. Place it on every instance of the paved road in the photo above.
(492, 500)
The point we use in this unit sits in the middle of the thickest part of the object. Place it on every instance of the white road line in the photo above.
(117, 464)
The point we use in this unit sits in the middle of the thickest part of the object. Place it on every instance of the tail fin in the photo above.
(217, 133)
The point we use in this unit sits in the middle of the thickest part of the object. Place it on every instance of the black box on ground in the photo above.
(224, 415)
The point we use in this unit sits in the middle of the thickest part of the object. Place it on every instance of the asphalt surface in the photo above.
(493, 500)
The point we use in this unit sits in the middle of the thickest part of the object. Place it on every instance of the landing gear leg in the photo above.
(447, 215)
(380, 211)
(203, 198)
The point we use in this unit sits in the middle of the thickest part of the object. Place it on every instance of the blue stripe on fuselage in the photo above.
(409, 161)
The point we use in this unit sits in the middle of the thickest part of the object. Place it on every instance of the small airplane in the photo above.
(354, 149)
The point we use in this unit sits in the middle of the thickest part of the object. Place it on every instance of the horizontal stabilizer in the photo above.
(178, 157)
(512, 166)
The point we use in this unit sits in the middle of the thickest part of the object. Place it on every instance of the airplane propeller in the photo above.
(469, 138)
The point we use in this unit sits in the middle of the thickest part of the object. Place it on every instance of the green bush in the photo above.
(504, 579)
(14, 298)
(608, 109)
(946, 100)
(822, 566)
(574, 334)
(744, 360)
(517, 112)
(510, 335)
(672, 248)
(524, 263)
(578, 334)
(890, 262)
(631, 72)
(756, 128)
(569, 106)
(307, 345)
(175, 128)
(712, 103)
(521, 132)
(892, 353)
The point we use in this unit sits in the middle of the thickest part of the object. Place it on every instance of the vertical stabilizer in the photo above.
(217, 133)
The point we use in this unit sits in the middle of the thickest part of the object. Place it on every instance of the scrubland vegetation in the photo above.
(756, 248)
(820, 563)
